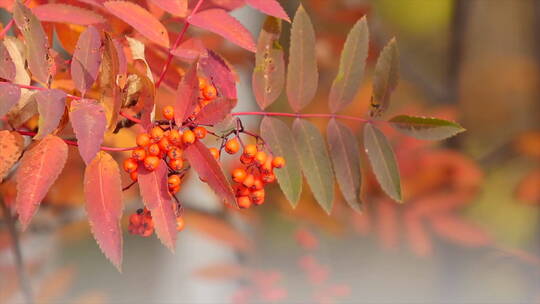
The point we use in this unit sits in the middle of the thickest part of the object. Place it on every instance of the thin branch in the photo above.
(177, 43)
(296, 115)
(38, 89)
(74, 143)
(19, 263)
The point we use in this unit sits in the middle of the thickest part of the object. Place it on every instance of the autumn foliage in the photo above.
(115, 59)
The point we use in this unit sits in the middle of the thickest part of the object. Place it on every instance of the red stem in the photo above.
(6, 29)
(38, 89)
(74, 143)
(177, 43)
(135, 120)
(295, 115)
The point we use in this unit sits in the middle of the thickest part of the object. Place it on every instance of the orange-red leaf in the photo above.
(156, 197)
(88, 120)
(11, 147)
(220, 22)
(175, 7)
(209, 170)
(269, 7)
(144, 22)
(223, 78)
(86, 59)
(103, 194)
(39, 168)
(216, 111)
(51, 106)
(187, 95)
(9, 95)
(65, 13)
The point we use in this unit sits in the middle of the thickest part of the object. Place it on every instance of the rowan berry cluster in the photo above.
(256, 171)
(141, 223)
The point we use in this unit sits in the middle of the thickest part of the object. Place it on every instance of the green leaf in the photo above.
(383, 161)
(37, 46)
(346, 159)
(315, 162)
(302, 73)
(269, 73)
(351, 67)
(426, 128)
(385, 79)
(279, 137)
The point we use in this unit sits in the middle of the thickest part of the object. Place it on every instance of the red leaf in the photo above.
(9, 95)
(156, 197)
(140, 19)
(187, 95)
(11, 145)
(210, 171)
(190, 49)
(89, 122)
(175, 7)
(269, 7)
(103, 194)
(221, 75)
(65, 13)
(220, 22)
(215, 111)
(460, 231)
(86, 59)
(7, 68)
(37, 45)
(39, 168)
(51, 105)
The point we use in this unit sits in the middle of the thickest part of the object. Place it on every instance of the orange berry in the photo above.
(244, 202)
(143, 140)
(180, 223)
(202, 82)
(175, 137)
(168, 112)
(257, 184)
(267, 166)
(174, 190)
(175, 153)
(176, 164)
(151, 162)
(239, 174)
(214, 152)
(188, 137)
(232, 146)
(138, 154)
(154, 149)
(209, 92)
(200, 132)
(156, 133)
(260, 158)
(241, 190)
(135, 219)
(130, 165)
(147, 232)
(268, 178)
(250, 150)
(246, 160)
(257, 196)
(173, 181)
(134, 176)
(278, 162)
(249, 180)
(164, 144)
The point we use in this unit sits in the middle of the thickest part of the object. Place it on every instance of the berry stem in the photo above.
(74, 143)
(296, 115)
(177, 43)
(23, 86)
(9, 25)
(129, 117)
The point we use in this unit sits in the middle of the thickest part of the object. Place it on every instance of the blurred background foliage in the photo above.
(469, 230)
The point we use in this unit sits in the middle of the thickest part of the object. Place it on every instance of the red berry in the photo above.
(168, 112)
(157, 133)
(130, 165)
(143, 140)
(154, 149)
(151, 162)
(164, 144)
(278, 162)
(215, 153)
(176, 164)
(239, 174)
(232, 146)
(244, 202)
(180, 223)
(200, 132)
(175, 137)
(188, 137)
(260, 158)
(175, 153)
(173, 181)
(134, 176)
(138, 154)
(250, 150)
